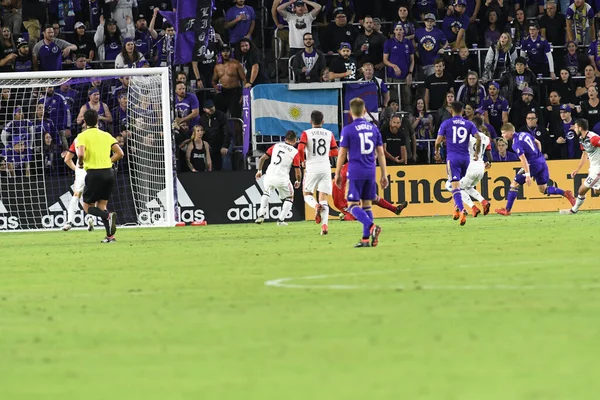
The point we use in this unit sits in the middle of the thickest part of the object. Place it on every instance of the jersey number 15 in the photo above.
(366, 144)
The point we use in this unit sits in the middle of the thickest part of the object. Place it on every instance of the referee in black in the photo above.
(94, 155)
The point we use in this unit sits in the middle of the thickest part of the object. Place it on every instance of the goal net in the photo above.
(41, 113)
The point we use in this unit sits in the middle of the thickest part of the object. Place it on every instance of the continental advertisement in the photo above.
(423, 187)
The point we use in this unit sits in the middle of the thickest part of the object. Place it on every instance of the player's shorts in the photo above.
(538, 171)
(362, 189)
(474, 174)
(281, 184)
(79, 180)
(457, 168)
(593, 179)
(98, 185)
(320, 181)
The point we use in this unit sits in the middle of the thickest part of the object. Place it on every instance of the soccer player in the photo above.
(93, 153)
(456, 132)
(77, 189)
(339, 200)
(283, 157)
(590, 144)
(529, 150)
(359, 143)
(318, 144)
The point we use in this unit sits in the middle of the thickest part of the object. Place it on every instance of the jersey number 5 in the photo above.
(366, 144)
(279, 159)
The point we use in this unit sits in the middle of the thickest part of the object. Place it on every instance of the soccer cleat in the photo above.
(401, 207)
(67, 227)
(456, 214)
(567, 212)
(502, 211)
(363, 243)
(463, 218)
(90, 224)
(569, 196)
(324, 229)
(259, 220)
(476, 211)
(112, 223)
(318, 209)
(375, 232)
(109, 239)
(282, 223)
(486, 207)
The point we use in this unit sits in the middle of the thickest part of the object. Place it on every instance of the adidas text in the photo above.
(158, 216)
(9, 223)
(58, 220)
(250, 213)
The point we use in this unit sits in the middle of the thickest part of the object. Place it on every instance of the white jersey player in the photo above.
(316, 146)
(590, 145)
(77, 189)
(283, 157)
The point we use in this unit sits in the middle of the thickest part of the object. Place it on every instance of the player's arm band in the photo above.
(527, 175)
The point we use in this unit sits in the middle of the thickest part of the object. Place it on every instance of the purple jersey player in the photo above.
(456, 132)
(360, 142)
(529, 150)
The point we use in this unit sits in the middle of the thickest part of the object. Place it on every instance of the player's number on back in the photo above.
(459, 134)
(530, 143)
(366, 144)
(278, 157)
(319, 146)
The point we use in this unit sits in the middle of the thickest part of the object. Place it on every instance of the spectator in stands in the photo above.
(218, 134)
(143, 38)
(471, 91)
(423, 128)
(12, 18)
(538, 52)
(568, 142)
(43, 125)
(309, 64)
(552, 117)
(197, 153)
(70, 95)
(334, 6)
(343, 68)
(8, 51)
(383, 94)
(515, 81)
(589, 81)
(300, 22)
(399, 57)
(500, 58)
(580, 23)
(282, 32)
(590, 108)
(228, 79)
(424, 7)
(187, 107)
(34, 17)
(240, 21)
(462, 63)
(503, 154)
(553, 25)
(57, 109)
(437, 85)
(251, 59)
(49, 153)
(80, 62)
(338, 32)
(574, 61)
(122, 13)
(165, 42)
(203, 64)
(492, 34)
(566, 87)
(104, 116)
(444, 112)
(119, 113)
(538, 131)
(594, 56)
(495, 107)
(407, 22)
(455, 24)
(368, 47)
(58, 33)
(430, 42)
(394, 141)
(520, 109)
(18, 157)
(130, 57)
(109, 41)
(517, 28)
(502, 8)
(85, 45)
(23, 61)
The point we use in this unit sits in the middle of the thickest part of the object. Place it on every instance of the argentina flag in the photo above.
(276, 110)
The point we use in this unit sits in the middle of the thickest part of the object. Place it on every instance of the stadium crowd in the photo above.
(534, 63)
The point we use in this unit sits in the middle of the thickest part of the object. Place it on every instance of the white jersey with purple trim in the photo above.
(485, 145)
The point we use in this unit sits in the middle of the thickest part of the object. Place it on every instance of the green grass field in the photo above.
(503, 308)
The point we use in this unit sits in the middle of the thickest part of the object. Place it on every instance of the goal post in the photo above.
(40, 115)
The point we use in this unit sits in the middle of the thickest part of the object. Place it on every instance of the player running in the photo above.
(78, 186)
(529, 150)
(318, 144)
(283, 157)
(359, 143)
(339, 200)
(456, 132)
(590, 144)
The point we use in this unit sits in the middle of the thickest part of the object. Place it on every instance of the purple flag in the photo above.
(366, 91)
(170, 17)
(247, 118)
(193, 29)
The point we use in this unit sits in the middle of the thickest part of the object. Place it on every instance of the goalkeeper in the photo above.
(93, 154)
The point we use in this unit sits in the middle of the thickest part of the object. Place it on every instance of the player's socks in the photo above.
(578, 203)
(466, 199)
(475, 194)
(324, 213)
(362, 217)
(369, 212)
(383, 203)
(264, 203)
(103, 214)
(72, 208)
(287, 207)
(310, 200)
(512, 196)
(554, 190)
(458, 199)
